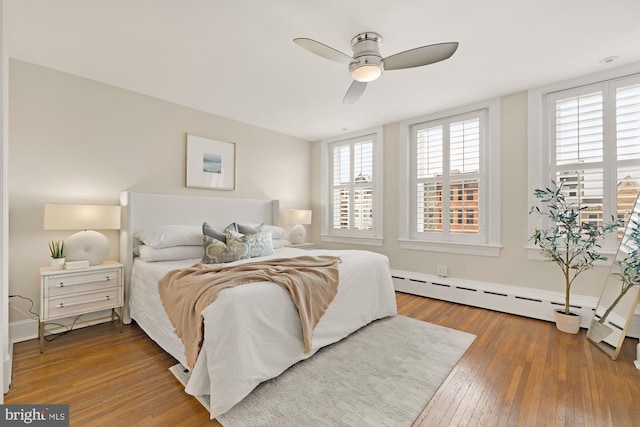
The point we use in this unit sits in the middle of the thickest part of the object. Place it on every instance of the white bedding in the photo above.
(252, 331)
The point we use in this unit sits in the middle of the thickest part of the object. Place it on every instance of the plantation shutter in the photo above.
(579, 136)
(447, 154)
(628, 147)
(596, 133)
(341, 179)
(430, 165)
(352, 184)
(363, 185)
(465, 175)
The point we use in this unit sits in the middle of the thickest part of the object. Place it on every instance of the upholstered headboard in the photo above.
(143, 210)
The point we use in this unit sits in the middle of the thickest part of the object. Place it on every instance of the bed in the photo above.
(252, 331)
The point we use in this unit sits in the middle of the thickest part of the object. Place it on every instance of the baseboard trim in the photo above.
(7, 363)
(521, 301)
(23, 330)
(27, 329)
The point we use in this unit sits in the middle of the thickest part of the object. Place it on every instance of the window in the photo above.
(447, 161)
(451, 192)
(352, 196)
(592, 147)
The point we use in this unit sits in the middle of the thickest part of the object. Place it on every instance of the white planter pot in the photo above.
(569, 323)
(57, 263)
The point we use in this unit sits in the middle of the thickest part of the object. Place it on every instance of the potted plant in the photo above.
(569, 242)
(56, 247)
(629, 275)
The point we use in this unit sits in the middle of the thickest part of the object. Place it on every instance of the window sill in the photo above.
(452, 247)
(353, 240)
(535, 254)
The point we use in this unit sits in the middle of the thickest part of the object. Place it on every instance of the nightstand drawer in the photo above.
(88, 302)
(80, 282)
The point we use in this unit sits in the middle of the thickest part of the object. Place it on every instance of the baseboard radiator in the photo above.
(527, 302)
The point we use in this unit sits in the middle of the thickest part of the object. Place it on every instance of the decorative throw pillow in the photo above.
(216, 252)
(257, 244)
(211, 231)
(232, 227)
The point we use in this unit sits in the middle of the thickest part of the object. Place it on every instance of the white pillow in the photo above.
(279, 243)
(277, 232)
(164, 236)
(173, 253)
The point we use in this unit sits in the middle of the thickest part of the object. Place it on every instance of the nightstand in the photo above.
(65, 293)
(303, 245)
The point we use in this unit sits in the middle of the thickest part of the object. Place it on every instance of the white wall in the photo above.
(513, 266)
(5, 372)
(75, 140)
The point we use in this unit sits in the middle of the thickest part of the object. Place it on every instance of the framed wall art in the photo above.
(210, 163)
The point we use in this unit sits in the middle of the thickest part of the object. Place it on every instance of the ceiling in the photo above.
(236, 58)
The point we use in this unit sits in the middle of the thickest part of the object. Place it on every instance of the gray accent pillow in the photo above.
(211, 231)
(217, 252)
(247, 229)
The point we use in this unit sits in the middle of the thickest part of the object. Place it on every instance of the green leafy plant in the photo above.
(570, 243)
(56, 247)
(629, 266)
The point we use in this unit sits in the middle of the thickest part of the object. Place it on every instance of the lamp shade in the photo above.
(86, 245)
(297, 216)
(81, 217)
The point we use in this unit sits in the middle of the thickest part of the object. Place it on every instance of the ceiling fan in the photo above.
(367, 64)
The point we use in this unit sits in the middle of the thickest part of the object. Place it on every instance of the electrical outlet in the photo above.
(442, 271)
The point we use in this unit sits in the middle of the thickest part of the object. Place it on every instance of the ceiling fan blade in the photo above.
(323, 50)
(354, 92)
(420, 56)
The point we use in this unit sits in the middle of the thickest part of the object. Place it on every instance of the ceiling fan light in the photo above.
(366, 72)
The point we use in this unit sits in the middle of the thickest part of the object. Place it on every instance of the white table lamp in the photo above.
(300, 218)
(89, 245)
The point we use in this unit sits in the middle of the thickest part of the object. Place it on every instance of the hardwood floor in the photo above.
(518, 372)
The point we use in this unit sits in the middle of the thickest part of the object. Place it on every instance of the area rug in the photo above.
(383, 374)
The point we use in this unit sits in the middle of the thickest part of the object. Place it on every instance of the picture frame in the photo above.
(210, 163)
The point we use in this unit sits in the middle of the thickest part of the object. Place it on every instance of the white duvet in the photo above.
(252, 331)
